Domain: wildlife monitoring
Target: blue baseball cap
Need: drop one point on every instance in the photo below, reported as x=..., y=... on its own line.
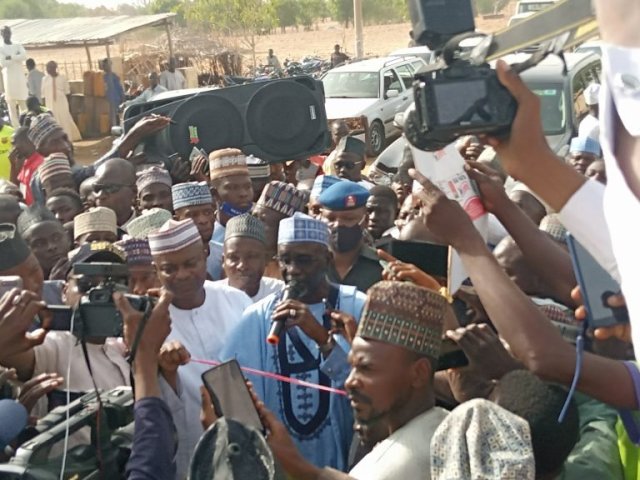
x=13, y=419
x=344, y=195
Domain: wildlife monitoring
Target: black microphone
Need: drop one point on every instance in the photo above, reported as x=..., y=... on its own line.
x=293, y=290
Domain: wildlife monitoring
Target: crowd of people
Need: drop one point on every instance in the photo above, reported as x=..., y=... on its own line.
x=355, y=387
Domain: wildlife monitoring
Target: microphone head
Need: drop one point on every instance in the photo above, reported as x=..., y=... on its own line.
x=13, y=419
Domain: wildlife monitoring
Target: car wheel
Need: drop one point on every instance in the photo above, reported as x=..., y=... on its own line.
x=376, y=138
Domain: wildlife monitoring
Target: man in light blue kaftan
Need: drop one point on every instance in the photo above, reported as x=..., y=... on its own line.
x=320, y=422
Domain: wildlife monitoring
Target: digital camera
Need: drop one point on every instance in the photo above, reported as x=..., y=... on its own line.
x=96, y=314
x=461, y=99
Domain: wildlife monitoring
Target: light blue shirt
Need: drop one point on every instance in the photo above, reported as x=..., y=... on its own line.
x=320, y=423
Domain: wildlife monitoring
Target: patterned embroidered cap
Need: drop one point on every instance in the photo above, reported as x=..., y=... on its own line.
x=247, y=226
x=33, y=215
x=282, y=197
x=258, y=168
x=301, y=228
x=480, y=439
x=344, y=195
x=13, y=249
x=149, y=221
x=174, y=235
x=136, y=250
x=406, y=315
x=227, y=162
x=585, y=145
x=191, y=193
x=54, y=164
x=552, y=225
x=41, y=128
x=152, y=175
x=321, y=183
x=98, y=219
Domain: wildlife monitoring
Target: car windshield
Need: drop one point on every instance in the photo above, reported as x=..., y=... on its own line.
x=351, y=85
x=553, y=107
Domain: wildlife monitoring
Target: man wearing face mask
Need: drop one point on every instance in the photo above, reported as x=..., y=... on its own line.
x=343, y=208
x=320, y=423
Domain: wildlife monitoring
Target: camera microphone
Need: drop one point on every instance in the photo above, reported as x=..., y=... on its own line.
x=292, y=291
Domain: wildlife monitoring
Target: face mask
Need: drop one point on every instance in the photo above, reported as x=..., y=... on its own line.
x=231, y=211
x=345, y=239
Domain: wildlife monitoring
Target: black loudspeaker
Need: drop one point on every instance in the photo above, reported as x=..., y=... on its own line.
x=275, y=120
x=436, y=21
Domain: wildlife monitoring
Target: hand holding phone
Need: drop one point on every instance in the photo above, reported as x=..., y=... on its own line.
x=598, y=289
x=230, y=395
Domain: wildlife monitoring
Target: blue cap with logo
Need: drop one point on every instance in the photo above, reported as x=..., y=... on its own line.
x=344, y=195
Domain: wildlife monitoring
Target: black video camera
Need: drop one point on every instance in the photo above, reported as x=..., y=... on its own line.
x=96, y=314
x=110, y=421
x=453, y=97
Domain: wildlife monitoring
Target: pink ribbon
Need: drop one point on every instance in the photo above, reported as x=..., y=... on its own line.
x=275, y=376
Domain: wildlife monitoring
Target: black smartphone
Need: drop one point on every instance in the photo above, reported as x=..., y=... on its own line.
x=596, y=286
x=451, y=356
x=59, y=317
x=230, y=394
x=428, y=257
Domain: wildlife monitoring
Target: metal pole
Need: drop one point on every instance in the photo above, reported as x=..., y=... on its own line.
x=166, y=26
x=357, y=22
x=86, y=46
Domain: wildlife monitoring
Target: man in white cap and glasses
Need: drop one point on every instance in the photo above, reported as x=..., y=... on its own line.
x=589, y=126
x=202, y=314
x=320, y=423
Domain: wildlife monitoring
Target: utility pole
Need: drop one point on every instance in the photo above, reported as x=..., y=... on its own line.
x=357, y=22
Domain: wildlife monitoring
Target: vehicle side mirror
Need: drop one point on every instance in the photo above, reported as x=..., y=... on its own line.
x=116, y=131
x=392, y=93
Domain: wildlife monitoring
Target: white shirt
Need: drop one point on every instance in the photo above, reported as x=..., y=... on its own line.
x=172, y=80
x=589, y=127
x=405, y=454
x=15, y=83
x=621, y=92
x=267, y=287
x=202, y=331
x=108, y=363
x=583, y=216
x=146, y=95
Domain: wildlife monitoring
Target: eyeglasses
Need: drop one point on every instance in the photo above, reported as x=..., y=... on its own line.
x=299, y=260
x=346, y=164
x=108, y=187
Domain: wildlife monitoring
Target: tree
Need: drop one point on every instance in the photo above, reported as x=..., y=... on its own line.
x=312, y=10
x=342, y=11
x=247, y=18
x=286, y=13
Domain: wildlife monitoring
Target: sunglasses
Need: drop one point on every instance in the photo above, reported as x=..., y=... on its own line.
x=108, y=187
x=347, y=165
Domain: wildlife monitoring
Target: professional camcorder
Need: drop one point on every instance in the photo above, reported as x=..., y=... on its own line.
x=95, y=314
x=109, y=416
x=453, y=97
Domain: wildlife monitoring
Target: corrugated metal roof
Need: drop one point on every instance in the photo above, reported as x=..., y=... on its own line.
x=48, y=32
